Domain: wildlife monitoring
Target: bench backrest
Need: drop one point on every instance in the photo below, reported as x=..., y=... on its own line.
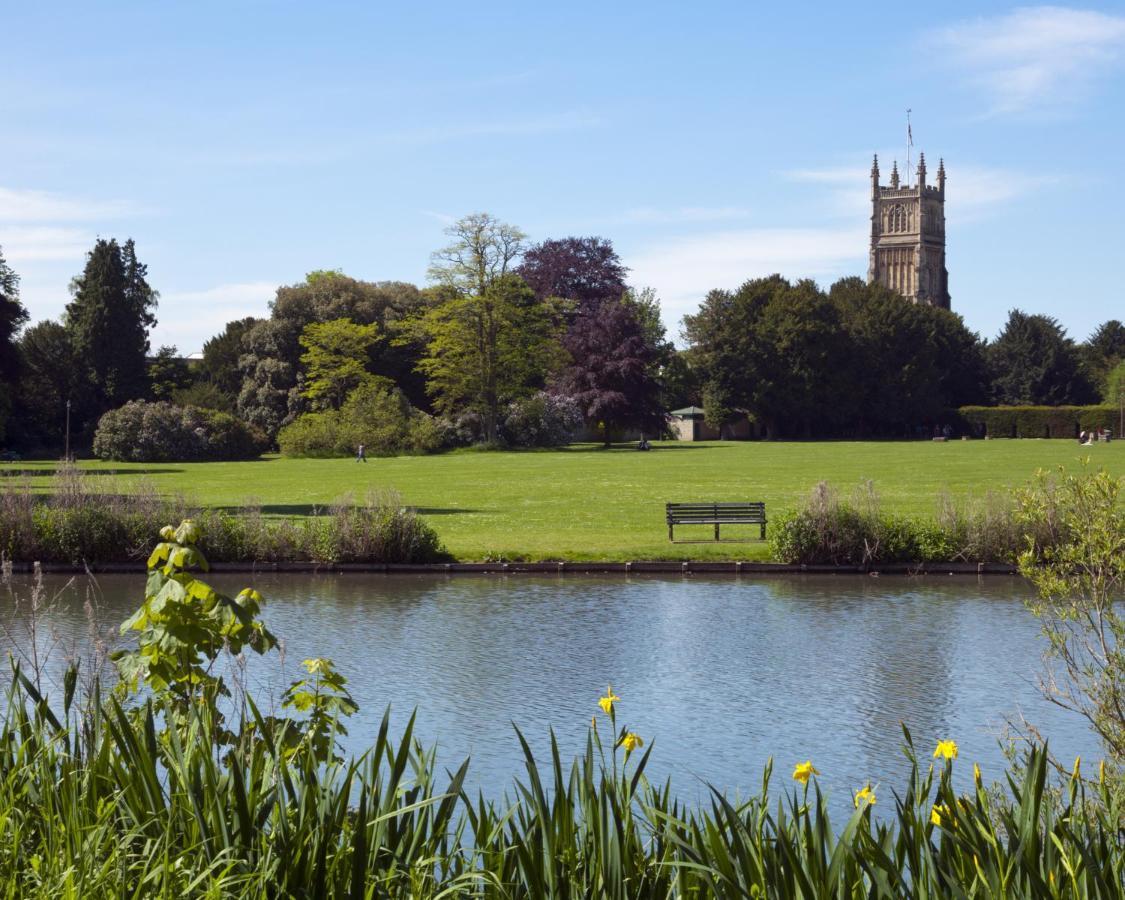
x=687, y=512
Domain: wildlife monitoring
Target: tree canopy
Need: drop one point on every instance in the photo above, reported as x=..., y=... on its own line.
x=483, y=250
x=1033, y=362
x=336, y=359
x=109, y=319
x=483, y=351
x=611, y=374
x=585, y=270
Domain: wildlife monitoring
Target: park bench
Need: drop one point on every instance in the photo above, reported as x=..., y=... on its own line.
x=715, y=514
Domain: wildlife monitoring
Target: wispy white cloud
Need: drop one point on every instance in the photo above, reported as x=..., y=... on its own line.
x=444, y=218
x=18, y=205
x=188, y=318
x=38, y=243
x=328, y=151
x=683, y=270
x=647, y=215
x=1038, y=58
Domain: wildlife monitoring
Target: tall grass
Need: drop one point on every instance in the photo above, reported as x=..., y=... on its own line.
x=80, y=523
x=856, y=531
x=99, y=801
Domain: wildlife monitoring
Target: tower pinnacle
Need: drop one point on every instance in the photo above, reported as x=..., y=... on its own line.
x=908, y=235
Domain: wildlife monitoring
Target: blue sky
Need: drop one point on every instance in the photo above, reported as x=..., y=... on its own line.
x=244, y=144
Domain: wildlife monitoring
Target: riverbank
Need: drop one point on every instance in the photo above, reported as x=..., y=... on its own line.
x=585, y=504
x=638, y=567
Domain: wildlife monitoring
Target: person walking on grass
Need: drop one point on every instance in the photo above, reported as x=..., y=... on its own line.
x=360, y=455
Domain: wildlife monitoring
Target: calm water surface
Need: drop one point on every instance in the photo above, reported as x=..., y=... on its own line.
x=719, y=674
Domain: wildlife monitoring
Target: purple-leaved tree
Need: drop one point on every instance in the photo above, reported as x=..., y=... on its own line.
x=585, y=270
x=611, y=376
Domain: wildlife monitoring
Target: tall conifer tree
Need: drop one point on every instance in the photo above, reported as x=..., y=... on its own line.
x=109, y=319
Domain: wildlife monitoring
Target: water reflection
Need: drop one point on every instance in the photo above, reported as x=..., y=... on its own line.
x=720, y=673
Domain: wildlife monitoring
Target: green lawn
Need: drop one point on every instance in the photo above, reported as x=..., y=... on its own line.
x=587, y=503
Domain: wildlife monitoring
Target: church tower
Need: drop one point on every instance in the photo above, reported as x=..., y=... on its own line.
x=908, y=236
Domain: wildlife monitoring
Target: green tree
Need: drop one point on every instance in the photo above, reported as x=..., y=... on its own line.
x=775, y=352
x=168, y=373
x=483, y=250
x=337, y=354
x=51, y=375
x=1076, y=560
x=1114, y=389
x=1104, y=349
x=1033, y=362
x=221, y=355
x=109, y=319
x=12, y=318
x=911, y=361
x=485, y=351
x=270, y=364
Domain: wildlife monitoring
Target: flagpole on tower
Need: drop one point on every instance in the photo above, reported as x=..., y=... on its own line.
x=909, y=146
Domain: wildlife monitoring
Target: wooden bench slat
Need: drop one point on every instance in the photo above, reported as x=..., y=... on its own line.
x=716, y=513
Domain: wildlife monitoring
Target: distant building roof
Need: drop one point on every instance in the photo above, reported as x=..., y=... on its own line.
x=688, y=411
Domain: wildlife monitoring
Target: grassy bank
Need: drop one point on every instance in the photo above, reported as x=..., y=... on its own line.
x=586, y=503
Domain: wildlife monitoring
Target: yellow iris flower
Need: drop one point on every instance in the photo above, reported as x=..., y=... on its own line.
x=941, y=816
x=803, y=771
x=606, y=702
x=976, y=774
x=865, y=796
x=1077, y=773
x=631, y=742
x=946, y=750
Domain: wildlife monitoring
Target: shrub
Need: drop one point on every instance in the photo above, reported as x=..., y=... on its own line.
x=141, y=431
x=831, y=531
x=81, y=525
x=1035, y=421
x=542, y=420
x=374, y=415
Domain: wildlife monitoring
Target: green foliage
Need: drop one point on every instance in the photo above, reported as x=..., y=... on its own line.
x=1104, y=350
x=53, y=373
x=375, y=415
x=335, y=360
x=85, y=525
x=858, y=360
x=1114, y=390
x=485, y=350
x=109, y=319
x=13, y=316
x=203, y=395
x=1076, y=560
x=270, y=392
x=1035, y=421
x=1033, y=362
x=168, y=373
x=221, y=355
x=184, y=624
x=828, y=530
x=96, y=806
x=324, y=699
x=483, y=251
x=161, y=432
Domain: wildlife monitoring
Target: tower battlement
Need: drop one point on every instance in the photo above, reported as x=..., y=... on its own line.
x=908, y=236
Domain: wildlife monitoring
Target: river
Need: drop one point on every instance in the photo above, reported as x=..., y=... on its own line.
x=718, y=673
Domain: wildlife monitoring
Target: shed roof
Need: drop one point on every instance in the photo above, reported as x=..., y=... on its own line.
x=688, y=411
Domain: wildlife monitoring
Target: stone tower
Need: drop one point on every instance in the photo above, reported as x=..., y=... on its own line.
x=908, y=236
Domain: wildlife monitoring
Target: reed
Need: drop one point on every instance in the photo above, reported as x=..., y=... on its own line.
x=82, y=524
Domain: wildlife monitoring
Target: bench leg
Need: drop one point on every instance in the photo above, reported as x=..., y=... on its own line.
x=716, y=531
x=763, y=531
x=670, y=538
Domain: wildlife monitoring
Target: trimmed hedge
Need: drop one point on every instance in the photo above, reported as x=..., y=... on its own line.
x=1036, y=421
